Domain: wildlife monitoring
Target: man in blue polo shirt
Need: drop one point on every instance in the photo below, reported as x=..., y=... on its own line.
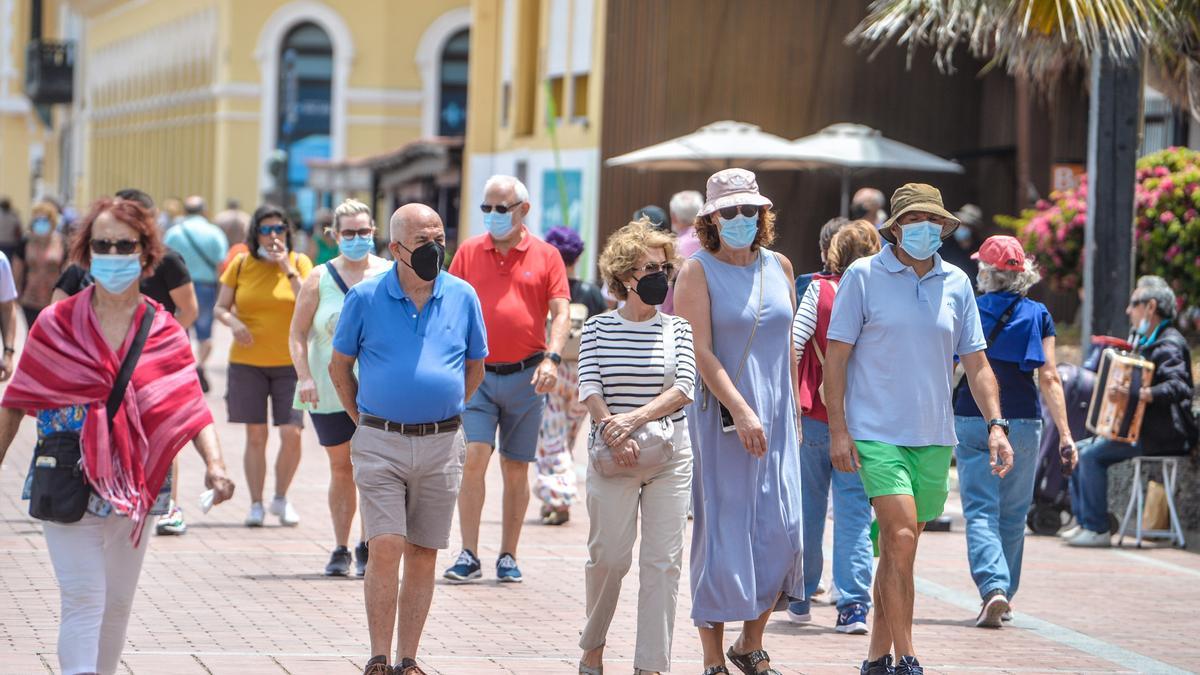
x=419, y=339
x=900, y=318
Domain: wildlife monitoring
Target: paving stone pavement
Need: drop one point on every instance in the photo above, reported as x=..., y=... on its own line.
x=228, y=600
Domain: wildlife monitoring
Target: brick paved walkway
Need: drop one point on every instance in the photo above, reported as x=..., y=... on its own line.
x=224, y=599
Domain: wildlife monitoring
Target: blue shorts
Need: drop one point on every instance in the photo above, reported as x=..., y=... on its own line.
x=507, y=402
x=333, y=429
x=206, y=298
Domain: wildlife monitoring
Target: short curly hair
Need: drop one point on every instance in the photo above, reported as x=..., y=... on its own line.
x=625, y=247
x=568, y=243
x=127, y=212
x=710, y=236
x=856, y=239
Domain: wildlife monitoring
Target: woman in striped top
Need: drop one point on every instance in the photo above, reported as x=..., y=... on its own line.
x=851, y=509
x=625, y=384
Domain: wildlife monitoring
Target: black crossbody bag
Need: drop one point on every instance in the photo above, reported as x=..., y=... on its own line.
x=60, y=491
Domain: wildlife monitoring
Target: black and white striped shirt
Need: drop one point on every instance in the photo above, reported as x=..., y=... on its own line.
x=622, y=361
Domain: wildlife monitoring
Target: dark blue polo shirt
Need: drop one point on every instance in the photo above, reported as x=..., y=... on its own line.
x=411, y=365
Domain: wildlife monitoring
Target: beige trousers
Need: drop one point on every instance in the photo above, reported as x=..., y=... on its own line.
x=662, y=495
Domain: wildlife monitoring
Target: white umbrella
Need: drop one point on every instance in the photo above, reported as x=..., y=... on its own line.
x=852, y=147
x=714, y=147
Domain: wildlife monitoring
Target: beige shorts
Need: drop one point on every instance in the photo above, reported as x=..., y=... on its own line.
x=408, y=485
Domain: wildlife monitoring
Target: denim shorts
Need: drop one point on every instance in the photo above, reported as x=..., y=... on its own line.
x=206, y=299
x=510, y=404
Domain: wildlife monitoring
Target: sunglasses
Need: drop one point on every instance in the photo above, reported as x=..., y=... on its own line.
x=272, y=229
x=365, y=233
x=655, y=268
x=119, y=246
x=731, y=212
x=501, y=209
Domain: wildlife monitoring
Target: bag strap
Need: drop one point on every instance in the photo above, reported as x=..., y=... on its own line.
x=668, y=333
x=1003, y=320
x=195, y=247
x=337, y=278
x=131, y=358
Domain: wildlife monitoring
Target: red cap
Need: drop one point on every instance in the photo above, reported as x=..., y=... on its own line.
x=1003, y=252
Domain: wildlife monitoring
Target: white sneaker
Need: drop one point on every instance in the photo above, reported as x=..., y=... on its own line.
x=991, y=614
x=281, y=507
x=255, y=519
x=1089, y=539
x=1071, y=532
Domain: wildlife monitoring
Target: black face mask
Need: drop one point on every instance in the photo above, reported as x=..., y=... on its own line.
x=427, y=259
x=652, y=288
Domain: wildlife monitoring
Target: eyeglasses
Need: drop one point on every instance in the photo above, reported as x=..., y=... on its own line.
x=655, y=268
x=365, y=233
x=272, y=229
x=1136, y=303
x=730, y=212
x=501, y=209
x=120, y=246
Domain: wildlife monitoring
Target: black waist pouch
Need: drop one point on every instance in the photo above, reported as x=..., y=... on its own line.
x=59, y=492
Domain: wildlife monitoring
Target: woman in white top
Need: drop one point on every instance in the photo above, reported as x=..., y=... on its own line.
x=637, y=371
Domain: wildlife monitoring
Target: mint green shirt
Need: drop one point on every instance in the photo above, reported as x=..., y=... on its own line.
x=320, y=344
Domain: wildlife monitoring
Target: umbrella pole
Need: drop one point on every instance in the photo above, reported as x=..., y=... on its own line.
x=845, y=193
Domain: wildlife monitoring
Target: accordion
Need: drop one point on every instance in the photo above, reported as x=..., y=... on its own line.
x=1119, y=418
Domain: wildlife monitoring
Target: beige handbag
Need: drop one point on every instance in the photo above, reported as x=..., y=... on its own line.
x=655, y=439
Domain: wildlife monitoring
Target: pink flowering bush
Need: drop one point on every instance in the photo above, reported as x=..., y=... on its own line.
x=1166, y=226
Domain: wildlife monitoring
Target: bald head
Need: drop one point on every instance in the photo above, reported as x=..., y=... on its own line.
x=194, y=205
x=411, y=220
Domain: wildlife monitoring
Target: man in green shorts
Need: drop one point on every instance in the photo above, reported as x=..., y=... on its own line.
x=899, y=320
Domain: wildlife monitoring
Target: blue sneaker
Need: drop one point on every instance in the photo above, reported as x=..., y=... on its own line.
x=799, y=611
x=908, y=665
x=880, y=666
x=466, y=568
x=853, y=619
x=507, y=570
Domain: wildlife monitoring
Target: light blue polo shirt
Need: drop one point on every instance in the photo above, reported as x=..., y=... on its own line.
x=411, y=365
x=202, y=245
x=906, y=332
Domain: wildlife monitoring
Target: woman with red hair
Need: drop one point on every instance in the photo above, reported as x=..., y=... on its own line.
x=110, y=378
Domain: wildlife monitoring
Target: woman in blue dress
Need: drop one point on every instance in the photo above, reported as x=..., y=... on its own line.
x=746, y=542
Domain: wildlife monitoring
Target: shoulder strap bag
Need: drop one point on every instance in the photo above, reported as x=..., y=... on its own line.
x=1001, y=322
x=655, y=439
x=60, y=491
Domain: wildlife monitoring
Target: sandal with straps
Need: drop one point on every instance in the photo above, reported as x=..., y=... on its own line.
x=715, y=670
x=409, y=667
x=748, y=663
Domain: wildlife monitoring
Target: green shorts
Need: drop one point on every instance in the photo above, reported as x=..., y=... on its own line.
x=920, y=471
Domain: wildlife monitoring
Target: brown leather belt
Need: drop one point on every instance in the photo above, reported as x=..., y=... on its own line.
x=510, y=368
x=423, y=429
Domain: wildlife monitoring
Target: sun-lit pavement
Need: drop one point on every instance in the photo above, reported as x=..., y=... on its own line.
x=225, y=599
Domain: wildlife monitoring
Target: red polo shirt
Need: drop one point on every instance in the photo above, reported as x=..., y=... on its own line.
x=515, y=291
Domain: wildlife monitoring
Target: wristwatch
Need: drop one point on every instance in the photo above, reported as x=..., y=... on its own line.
x=555, y=357
x=998, y=422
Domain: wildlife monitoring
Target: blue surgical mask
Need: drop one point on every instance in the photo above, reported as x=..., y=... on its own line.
x=962, y=235
x=41, y=226
x=921, y=240
x=739, y=231
x=116, y=272
x=1143, y=327
x=500, y=225
x=356, y=248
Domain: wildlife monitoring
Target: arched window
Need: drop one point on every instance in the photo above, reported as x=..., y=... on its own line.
x=452, y=105
x=305, y=94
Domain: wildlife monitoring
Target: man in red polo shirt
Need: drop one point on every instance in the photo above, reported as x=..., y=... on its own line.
x=519, y=278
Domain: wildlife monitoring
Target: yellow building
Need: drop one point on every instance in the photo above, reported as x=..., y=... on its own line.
x=530, y=57
x=181, y=97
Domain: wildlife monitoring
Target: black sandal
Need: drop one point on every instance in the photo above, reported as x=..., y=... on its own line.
x=715, y=670
x=748, y=663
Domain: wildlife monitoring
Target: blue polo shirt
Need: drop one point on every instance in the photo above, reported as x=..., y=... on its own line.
x=906, y=332
x=411, y=365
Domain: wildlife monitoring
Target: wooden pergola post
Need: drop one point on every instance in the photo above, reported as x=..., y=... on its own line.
x=1114, y=139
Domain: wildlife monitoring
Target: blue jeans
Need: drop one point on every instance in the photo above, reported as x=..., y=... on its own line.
x=995, y=508
x=851, y=519
x=1089, y=483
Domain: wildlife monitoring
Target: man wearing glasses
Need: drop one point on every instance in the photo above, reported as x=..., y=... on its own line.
x=519, y=279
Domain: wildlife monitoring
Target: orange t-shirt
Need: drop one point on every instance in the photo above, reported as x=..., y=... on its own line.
x=515, y=291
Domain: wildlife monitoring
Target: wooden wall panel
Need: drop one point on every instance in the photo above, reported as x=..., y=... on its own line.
x=672, y=66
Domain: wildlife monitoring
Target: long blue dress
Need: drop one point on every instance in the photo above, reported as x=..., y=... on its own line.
x=747, y=550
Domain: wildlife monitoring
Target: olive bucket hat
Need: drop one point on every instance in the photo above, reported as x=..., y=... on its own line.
x=917, y=197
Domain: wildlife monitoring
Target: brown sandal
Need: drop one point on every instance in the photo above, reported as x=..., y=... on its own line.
x=378, y=665
x=408, y=667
